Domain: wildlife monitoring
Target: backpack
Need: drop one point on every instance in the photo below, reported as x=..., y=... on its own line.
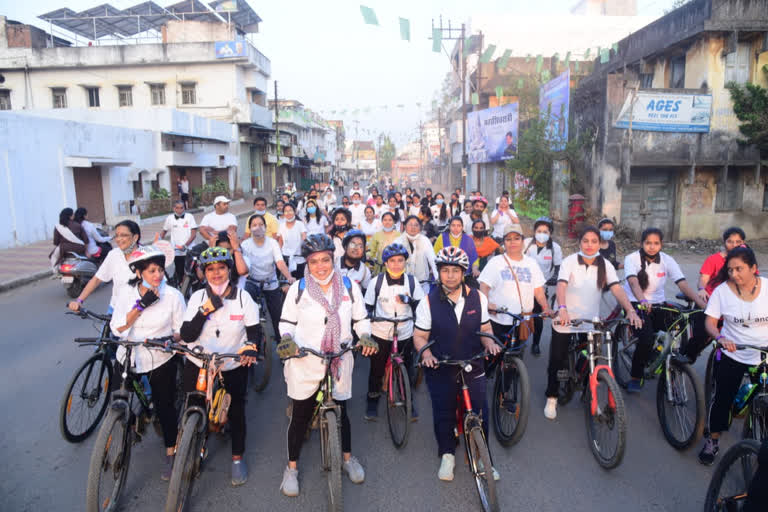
x=380, y=281
x=344, y=279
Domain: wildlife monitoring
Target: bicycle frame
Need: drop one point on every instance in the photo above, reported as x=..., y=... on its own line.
x=395, y=356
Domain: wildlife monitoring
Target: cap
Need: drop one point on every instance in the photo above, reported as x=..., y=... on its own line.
x=513, y=228
x=220, y=199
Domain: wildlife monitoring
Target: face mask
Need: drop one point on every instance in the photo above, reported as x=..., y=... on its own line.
x=291, y=218
x=259, y=231
x=325, y=281
x=439, y=201
x=394, y=275
x=479, y=234
x=412, y=238
x=587, y=256
x=219, y=289
x=146, y=285
x=542, y=238
x=129, y=249
x=260, y=212
x=356, y=201
x=606, y=235
x=311, y=210
x=388, y=229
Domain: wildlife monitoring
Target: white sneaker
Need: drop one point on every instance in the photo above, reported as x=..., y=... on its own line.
x=550, y=410
x=354, y=470
x=448, y=462
x=290, y=485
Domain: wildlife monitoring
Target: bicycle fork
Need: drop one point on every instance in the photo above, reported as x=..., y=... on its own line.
x=595, y=369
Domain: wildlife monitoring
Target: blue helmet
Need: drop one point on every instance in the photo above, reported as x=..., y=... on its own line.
x=353, y=233
x=393, y=250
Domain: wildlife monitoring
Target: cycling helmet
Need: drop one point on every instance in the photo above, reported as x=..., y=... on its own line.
x=146, y=253
x=353, y=233
x=452, y=256
x=317, y=242
x=393, y=250
x=216, y=255
x=546, y=221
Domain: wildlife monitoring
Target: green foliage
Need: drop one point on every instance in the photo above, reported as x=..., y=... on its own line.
x=206, y=193
x=532, y=208
x=159, y=194
x=750, y=104
x=386, y=153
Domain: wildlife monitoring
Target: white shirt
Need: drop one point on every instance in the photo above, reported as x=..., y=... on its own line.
x=582, y=296
x=743, y=322
x=115, y=268
x=503, y=288
x=180, y=230
x=468, y=220
x=262, y=261
x=229, y=320
x=414, y=210
x=94, y=237
x=161, y=319
x=358, y=213
x=387, y=306
x=313, y=226
x=378, y=210
x=219, y=222
x=292, y=238
x=435, y=209
x=370, y=228
x=421, y=259
x=329, y=202
x=424, y=314
x=657, y=276
x=502, y=222
x=305, y=322
x=361, y=275
x=184, y=186
x=547, y=258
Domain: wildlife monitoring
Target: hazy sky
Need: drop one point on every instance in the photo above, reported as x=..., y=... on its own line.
x=325, y=56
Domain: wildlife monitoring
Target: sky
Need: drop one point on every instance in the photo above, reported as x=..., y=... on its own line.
x=324, y=56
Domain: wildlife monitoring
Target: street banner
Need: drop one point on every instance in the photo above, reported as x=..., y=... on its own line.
x=228, y=49
x=554, y=97
x=493, y=134
x=653, y=111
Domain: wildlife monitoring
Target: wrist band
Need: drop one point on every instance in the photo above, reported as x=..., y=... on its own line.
x=562, y=306
x=719, y=337
x=79, y=300
x=138, y=306
x=644, y=301
x=700, y=288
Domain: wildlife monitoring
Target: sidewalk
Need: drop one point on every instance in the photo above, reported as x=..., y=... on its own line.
x=28, y=263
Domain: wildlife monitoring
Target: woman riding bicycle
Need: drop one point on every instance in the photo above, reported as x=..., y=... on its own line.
x=742, y=302
x=222, y=318
x=549, y=256
x=352, y=264
x=148, y=308
x=607, y=245
x=456, y=237
x=320, y=312
x=381, y=239
x=646, y=272
x=420, y=262
x=451, y=315
x=290, y=234
x=580, y=283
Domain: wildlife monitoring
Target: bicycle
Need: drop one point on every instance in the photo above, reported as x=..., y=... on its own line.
x=261, y=372
x=728, y=489
x=398, y=384
x=204, y=411
x=752, y=405
x=88, y=391
x=471, y=426
x=592, y=374
x=328, y=414
x=123, y=427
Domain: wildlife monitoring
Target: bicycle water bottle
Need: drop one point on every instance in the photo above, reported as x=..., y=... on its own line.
x=742, y=396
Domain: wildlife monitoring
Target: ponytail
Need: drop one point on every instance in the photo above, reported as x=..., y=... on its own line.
x=602, y=280
x=642, y=276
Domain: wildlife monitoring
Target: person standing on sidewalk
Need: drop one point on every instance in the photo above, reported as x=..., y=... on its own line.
x=184, y=190
x=183, y=230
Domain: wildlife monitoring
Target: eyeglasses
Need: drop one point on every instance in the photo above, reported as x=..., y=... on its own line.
x=355, y=245
x=129, y=235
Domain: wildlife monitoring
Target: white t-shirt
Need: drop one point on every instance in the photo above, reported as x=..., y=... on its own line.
x=358, y=213
x=180, y=230
x=361, y=275
x=370, y=228
x=292, y=238
x=94, y=237
x=219, y=222
x=582, y=296
x=262, y=261
x=378, y=210
x=657, y=276
x=743, y=322
x=436, y=209
x=424, y=314
x=314, y=227
x=414, y=210
x=161, y=319
x=501, y=222
x=184, y=186
x=387, y=306
x=305, y=322
x=229, y=321
x=115, y=268
x=547, y=258
x=503, y=288
x=421, y=259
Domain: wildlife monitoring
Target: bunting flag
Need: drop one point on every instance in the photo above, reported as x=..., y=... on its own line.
x=520, y=83
x=605, y=56
x=502, y=62
x=545, y=76
x=475, y=98
x=405, y=29
x=437, y=40
x=499, y=92
x=568, y=59
x=539, y=63
x=586, y=55
x=485, y=58
x=369, y=17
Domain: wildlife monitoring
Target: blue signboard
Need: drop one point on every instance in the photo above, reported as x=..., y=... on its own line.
x=657, y=111
x=229, y=49
x=554, y=98
x=492, y=134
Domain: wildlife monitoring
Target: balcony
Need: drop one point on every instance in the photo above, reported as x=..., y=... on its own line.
x=188, y=159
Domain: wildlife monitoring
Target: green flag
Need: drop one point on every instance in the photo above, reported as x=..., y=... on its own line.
x=405, y=29
x=485, y=58
x=605, y=56
x=437, y=40
x=545, y=76
x=369, y=17
x=586, y=55
x=568, y=59
x=475, y=98
x=502, y=62
x=539, y=63
x=499, y=92
x=520, y=83
x=576, y=66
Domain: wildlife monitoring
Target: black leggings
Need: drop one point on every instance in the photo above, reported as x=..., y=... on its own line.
x=379, y=362
x=236, y=384
x=274, y=300
x=300, y=418
x=178, y=263
x=728, y=374
x=558, y=360
x=538, y=324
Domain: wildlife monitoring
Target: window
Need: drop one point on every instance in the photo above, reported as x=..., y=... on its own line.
x=125, y=95
x=646, y=80
x=677, y=75
x=256, y=97
x=737, y=65
x=59, y=97
x=93, y=96
x=158, y=94
x=729, y=192
x=188, y=94
x=5, y=99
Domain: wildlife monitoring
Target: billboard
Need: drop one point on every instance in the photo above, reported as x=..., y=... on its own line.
x=492, y=134
x=227, y=49
x=554, y=98
x=654, y=111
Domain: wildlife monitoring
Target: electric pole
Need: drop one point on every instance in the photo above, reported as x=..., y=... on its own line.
x=277, y=134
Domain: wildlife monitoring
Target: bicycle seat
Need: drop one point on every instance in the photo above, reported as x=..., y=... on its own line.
x=682, y=296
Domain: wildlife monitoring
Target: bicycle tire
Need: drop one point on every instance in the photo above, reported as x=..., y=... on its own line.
x=617, y=420
x=333, y=451
x=688, y=433
x=101, y=463
x=92, y=398
x=262, y=371
x=477, y=452
x=185, y=465
x=739, y=454
x=520, y=390
x=399, y=405
x=623, y=350
x=755, y=425
x=418, y=377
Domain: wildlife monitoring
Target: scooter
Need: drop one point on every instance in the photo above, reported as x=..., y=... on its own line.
x=75, y=271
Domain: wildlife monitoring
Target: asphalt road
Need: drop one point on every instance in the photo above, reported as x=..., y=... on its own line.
x=551, y=469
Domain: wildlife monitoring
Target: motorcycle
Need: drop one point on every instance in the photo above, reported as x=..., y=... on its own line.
x=76, y=269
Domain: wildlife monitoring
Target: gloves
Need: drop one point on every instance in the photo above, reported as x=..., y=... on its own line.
x=148, y=299
x=367, y=342
x=249, y=350
x=287, y=347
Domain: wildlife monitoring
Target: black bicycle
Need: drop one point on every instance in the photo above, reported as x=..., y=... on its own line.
x=731, y=483
x=261, y=372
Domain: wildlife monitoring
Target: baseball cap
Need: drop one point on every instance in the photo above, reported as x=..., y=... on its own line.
x=220, y=199
x=513, y=228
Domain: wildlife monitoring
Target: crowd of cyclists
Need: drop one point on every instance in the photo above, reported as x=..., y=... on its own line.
x=449, y=265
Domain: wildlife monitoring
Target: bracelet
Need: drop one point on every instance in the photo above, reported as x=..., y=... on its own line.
x=644, y=301
x=700, y=288
x=562, y=306
x=137, y=306
x=719, y=337
x=79, y=300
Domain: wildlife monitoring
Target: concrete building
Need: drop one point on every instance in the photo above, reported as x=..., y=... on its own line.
x=359, y=162
x=689, y=184
x=605, y=8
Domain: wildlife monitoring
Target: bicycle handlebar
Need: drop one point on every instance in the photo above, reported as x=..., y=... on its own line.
x=519, y=318
x=304, y=351
x=746, y=346
x=397, y=320
x=85, y=313
x=456, y=361
x=198, y=352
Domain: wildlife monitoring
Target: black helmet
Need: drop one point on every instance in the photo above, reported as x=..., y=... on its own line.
x=317, y=242
x=352, y=233
x=546, y=221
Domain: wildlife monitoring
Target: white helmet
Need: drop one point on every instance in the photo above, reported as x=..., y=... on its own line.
x=144, y=253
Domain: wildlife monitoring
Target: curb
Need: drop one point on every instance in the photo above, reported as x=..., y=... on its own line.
x=21, y=281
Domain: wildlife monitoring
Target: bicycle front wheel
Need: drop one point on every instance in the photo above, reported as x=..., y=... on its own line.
x=262, y=371
x=756, y=424
x=728, y=489
x=86, y=399
x=607, y=426
x=480, y=463
x=185, y=465
x=110, y=459
x=399, y=405
x=511, y=401
x=331, y=437
x=680, y=405
x=624, y=343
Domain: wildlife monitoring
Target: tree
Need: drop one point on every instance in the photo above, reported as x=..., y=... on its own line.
x=386, y=153
x=750, y=104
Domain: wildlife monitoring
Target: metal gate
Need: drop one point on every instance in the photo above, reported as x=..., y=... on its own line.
x=648, y=200
x=89, y=193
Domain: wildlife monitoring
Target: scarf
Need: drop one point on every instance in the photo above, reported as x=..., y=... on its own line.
x=331, y=341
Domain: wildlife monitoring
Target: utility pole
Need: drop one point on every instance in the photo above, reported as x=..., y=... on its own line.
x=277, y=134
x=439, y=142
x=476, y=107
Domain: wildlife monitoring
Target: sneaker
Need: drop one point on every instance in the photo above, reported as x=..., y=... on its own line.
x=447, y=463
x=709, y=451
x=167, y=468
x=290, y=484
x=635, y=385
x=239, y=472
x=550, y=410
x=372, y=409
x=354, y=470
x=535, y=350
